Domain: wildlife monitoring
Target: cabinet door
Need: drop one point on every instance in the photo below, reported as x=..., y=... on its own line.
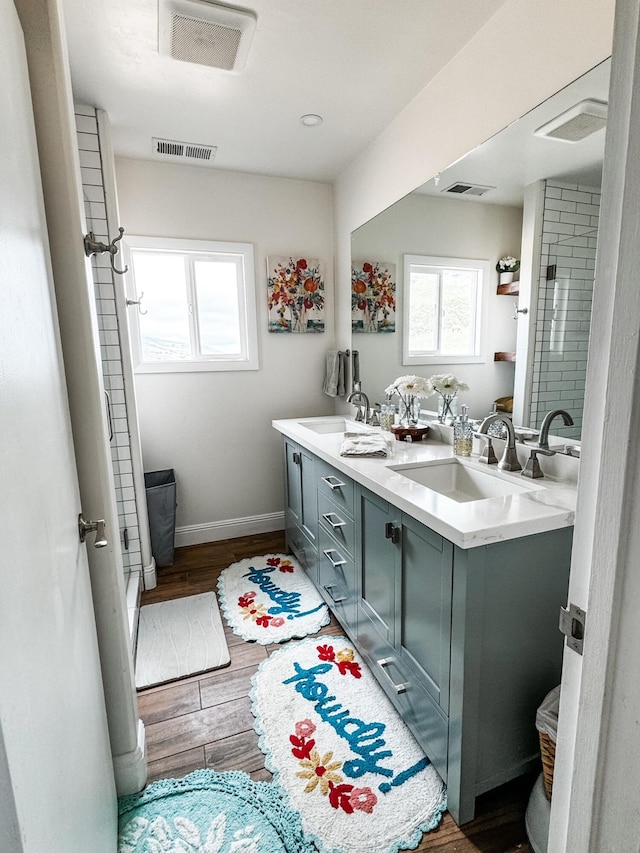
x=424, y=597
x=293, y=481
x=301, y=495
x=375, y=558
x=308, y=494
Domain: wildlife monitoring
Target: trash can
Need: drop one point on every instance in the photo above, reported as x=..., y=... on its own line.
x=547, y=726
x=160, y=487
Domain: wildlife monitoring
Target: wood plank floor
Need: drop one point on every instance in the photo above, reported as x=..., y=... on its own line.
x=206, y=720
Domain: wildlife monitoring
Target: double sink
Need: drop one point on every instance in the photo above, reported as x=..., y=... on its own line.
x=457, y=479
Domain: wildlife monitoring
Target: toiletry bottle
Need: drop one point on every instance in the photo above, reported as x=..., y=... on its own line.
x=387, y=414
x=462, y=434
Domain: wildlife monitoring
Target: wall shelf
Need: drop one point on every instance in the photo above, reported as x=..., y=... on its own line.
x=504, y=356
x=511, y=289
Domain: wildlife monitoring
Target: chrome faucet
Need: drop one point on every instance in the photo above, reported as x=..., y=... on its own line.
x=509, y=460
x=362, y=401
x=543, y=441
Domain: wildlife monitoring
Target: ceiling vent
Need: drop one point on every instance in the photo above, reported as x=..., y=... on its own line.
x=576, y=124
x=187, y=152
x=460, y=188
x=205, y=33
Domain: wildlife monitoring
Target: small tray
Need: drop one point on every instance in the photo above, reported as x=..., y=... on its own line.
x=409, y=433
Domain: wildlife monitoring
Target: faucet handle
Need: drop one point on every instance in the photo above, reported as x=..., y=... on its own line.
x=532, y=468
x=487, y=454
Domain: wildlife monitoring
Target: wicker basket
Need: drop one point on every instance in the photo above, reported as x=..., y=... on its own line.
x=548, y=754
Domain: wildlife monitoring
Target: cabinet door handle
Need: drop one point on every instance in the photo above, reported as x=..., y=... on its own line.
x=296, y=458
x=335, y=600
x=334, y=563
x=392, y=532
x=334, y=524
x=336, y=484
x=399, y=688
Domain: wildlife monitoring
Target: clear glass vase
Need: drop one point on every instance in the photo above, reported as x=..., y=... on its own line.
x=409, y=411
x=447, y=408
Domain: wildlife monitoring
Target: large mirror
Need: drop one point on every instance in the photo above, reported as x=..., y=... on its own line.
x=531, y=192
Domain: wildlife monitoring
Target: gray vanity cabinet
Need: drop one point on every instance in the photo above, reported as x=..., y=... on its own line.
x=464, y=642
x=301, y=506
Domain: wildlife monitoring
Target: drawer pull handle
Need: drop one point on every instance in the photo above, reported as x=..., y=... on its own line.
x=334, y=524
x=297, y=458
x=335, y=600
x=336, y=484
x=334, y=563
x=399, y=688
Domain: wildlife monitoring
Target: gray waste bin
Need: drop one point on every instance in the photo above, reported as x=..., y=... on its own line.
x=160, y=487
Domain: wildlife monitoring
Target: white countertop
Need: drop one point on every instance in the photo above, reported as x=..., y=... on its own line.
x=548, y=506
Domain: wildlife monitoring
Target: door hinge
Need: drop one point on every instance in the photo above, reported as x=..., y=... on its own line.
x=572, y=625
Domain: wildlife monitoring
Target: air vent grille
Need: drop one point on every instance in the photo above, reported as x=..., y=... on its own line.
x=204, y=43
x=205, y=33
x=170, y=149
x=460, y=188
x=576, y=124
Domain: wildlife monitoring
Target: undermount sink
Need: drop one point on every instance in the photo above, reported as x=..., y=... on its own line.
x=330, y=425
x=454, y=480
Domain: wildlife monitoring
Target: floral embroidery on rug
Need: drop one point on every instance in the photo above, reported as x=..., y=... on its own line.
x=346, y=759
x=270, y=599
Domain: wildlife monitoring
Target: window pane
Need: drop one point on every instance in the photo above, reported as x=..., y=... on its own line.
x=218, y=308
x=458, y=311
x=423, y=318
x=164, y=328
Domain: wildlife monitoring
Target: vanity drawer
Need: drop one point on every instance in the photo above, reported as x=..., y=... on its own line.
x=335, y=485
x=427, y=723
x=305, y=551
x=337, y=575
x=337, y=522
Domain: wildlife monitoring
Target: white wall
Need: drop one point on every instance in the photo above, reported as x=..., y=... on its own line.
x=214, y=428
x=524, y=53
x=423, y=225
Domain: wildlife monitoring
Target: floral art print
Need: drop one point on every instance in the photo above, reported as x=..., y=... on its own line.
x=295, y=291
x=373, y=296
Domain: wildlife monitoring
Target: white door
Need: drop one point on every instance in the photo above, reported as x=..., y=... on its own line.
x=56, y=776
x=597, y=772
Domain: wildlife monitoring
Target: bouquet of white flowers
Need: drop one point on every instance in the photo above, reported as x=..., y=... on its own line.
x=446, y=385
x=508, y=264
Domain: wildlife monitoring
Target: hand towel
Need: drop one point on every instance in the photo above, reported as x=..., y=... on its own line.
x=334, y=374
x=363, y=444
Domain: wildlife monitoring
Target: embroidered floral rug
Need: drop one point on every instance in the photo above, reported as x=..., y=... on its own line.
x=336, y=745
x=269, y=599
x=208, y=812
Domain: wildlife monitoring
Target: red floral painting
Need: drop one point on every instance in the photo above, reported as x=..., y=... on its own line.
x=373, y=296
x=295, y=295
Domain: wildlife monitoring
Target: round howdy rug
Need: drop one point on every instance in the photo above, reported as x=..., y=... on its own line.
x=341, y=752
x=269, y=599
x=208, y=812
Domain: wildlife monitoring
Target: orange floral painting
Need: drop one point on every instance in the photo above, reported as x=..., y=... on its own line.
x=373, y=296
x=295, y=290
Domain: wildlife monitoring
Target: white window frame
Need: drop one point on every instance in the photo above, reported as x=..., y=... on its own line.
x=249, y=357
x=478, y=356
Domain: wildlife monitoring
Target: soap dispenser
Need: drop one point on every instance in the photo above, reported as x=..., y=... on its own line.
x=462, y=433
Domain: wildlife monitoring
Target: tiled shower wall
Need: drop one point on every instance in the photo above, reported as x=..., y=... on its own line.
x=569, y=241
x=104, y=283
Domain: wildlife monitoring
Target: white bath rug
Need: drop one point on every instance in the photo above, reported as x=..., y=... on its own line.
x=346, y=759
x=270, y=599
x=178, y=638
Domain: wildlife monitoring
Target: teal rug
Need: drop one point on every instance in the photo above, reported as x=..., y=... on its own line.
x=208, y=812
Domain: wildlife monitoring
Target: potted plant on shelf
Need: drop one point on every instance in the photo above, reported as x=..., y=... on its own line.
x=506, y=268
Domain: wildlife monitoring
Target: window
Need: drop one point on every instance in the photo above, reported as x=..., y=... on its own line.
x=197, y=308
x=442, y=310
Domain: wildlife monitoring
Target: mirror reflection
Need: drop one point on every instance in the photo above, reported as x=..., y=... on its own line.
x=531, y=192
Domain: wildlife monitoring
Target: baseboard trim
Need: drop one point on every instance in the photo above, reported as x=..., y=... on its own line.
x=197, y=534
x=130, y=769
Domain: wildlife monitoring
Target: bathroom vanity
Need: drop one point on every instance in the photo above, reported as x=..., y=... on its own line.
x=453, y=603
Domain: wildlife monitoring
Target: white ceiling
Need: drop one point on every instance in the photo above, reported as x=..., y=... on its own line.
x=355, y=62
x=515, y=157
